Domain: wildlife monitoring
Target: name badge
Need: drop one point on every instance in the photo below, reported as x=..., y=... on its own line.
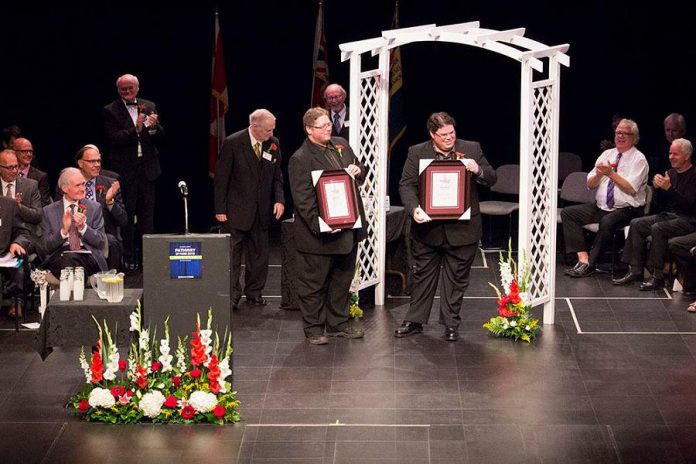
x=267, y=156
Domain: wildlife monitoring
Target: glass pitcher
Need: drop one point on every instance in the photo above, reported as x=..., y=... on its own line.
x=113, y=285
x=97, y=282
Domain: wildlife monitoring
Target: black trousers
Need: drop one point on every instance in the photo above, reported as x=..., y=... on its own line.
x=456, y=263
x=60, y=259
x=576, y=216
x=139, y=200
x=660, y=227
x=323, y=290
x=254, y=244
x=15, y=281
x=680, y=250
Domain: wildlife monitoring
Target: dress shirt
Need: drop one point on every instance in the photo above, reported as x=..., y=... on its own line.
x=133, y=111
x=633, y=167
x=4, y=187
x=254, y=141
x=341, y=117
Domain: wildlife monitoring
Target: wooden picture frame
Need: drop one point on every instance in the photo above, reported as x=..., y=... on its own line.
x=337, y=199
x=444, y=189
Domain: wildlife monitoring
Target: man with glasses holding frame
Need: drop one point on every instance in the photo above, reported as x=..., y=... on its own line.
x=451, y=243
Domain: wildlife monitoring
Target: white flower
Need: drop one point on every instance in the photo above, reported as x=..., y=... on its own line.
x=513, y=324
x=112, y=365
x=134, y=322
x=206, y=340
x=165, y=358
x=527, y=328
x=181, y=358
x=101, y=397
x=225, y=372
x=144, y=340
x=203, y=401
x=151, y=403
x=506, y=324
x=85, y=367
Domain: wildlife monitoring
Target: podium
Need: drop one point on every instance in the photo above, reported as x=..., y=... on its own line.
x=184, y=275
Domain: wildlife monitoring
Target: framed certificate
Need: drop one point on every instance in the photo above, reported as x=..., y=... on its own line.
x=337, y=199
x=444, y=189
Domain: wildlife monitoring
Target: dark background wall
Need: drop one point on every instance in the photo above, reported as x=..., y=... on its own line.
x=59, y=66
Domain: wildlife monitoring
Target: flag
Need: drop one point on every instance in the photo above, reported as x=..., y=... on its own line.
x=218, y=101
x=397, y=110
x=320, y=77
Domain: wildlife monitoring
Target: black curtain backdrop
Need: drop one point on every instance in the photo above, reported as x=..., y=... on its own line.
x=60, y=63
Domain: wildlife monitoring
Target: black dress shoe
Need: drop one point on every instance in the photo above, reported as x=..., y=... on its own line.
x=628, y=279
x=583, y=270
x=451, y=334
x=256, y=301
x=573, y=269
x=408, y=328
x=652, y=284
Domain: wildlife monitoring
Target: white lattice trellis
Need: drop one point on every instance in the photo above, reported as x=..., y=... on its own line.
x=539, y=103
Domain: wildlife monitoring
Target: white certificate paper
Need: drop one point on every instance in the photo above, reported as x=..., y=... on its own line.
x=445, y=190
x=336, y=199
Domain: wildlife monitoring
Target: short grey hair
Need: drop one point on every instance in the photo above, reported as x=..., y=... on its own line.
x=66, y=174
x=260, y=115
x=684, y=145
x=129, y=77
x=634, y=128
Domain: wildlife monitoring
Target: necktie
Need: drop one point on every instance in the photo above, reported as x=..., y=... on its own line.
x=73, y=234
x=9, y=193
x=89, y=189
x=443, y=156
x=610, y=185
x=257, y=149
x=337, y=123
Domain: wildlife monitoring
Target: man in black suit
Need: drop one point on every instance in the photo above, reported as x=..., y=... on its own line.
x=133, y=132
x=73, y=228
x=325, y=260
x=26, y=192
x=335, y=98
x=450, y=243
x=248, y=193
x=13, y=242
x=25, y=154
x=107, y=192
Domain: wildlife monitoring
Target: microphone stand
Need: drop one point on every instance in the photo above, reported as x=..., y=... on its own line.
x=186, y=227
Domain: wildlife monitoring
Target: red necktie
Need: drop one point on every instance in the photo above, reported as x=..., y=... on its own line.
x=73, y=234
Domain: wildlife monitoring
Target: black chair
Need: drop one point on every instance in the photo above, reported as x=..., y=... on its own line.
x=568, y=163
x=508, y=184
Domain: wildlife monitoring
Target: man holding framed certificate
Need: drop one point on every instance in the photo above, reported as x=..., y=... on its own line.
x=329, y=223
x=450, y=242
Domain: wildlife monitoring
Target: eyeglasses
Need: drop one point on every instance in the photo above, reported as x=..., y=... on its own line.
x=14, y=167
x=324, y=126
x=94, y=161
x=446, y=136
x=625, y=134
x=24, y=151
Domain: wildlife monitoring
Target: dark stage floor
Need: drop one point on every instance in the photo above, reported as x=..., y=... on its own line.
x=621, y=391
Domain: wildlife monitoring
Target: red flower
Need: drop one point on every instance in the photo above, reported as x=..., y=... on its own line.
x=274, y=147
x=198, y=355
x=339, y=149
x=219, y=411
x=122, y=364
x=100, y=190
x=459, y=155
x=118, y=390
x=97, y=365
x=214, y=375
x=83, y=406
x=141, y=108
x=141, y=377
x=195, y=373
x=156, y=366
x=176, y=381
x=171, y=402
x=188, y=412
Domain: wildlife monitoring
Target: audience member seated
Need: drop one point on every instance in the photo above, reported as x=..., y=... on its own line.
x=619, y=177
x=25, y=153
x=73, y=228
x=682, y=250
x=675, y=192
x=675, y=128
x=26, y=193
x=13, y=243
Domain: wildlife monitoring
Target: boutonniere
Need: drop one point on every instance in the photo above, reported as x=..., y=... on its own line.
x=273, y=147
x=100, y=190
x=459, y=155
x=339, y=149
x=141, y=108
x=613, y=166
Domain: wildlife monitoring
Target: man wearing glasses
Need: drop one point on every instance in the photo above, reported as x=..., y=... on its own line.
x=248, y=194
x=451, y=244
x=325, y=260
x=25, y=154
x=619, y=178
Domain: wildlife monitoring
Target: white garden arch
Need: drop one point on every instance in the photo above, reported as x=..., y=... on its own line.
x=539, y=108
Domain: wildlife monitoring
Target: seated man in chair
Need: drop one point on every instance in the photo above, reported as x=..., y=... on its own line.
x=73, y=228
x=13, y=242
x=619, y=177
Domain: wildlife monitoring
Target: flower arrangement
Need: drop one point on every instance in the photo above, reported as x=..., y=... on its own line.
x=354, y=309
x=152, y=387
x=514, y=311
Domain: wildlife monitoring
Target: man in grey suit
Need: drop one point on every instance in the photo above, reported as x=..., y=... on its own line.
x=62, y=217
x=26, y=193
x=25, y=154
x=325, y=260
x=248, y=193
x=450, y=243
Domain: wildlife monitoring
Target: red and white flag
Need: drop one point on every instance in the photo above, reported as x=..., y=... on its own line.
x=320, y=77
x=218, y=102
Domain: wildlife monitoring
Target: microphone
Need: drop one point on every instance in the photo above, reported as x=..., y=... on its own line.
x=183, y=188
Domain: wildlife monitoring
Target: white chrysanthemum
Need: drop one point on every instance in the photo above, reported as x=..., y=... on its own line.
x=112, y=365
x=506, y=324
x=225, y=372
x=151, y=403
x=101, y=398
x=134, y=322
x=144, y=339
x=165, y=358
x=527, y=328
x=85, y=367
x=203, y=401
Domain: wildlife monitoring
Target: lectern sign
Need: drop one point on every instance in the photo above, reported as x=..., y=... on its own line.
x=185, y=260
x=444, y=189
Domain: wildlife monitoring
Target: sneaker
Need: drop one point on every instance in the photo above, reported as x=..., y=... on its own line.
x=317, y=339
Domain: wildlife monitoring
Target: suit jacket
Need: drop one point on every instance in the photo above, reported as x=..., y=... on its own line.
x=93, y=239
x=434, y=232
x=123, y=140
x=12, y=229
x=245, y=184
x=344, y=132
x=42, y=179
x=311, y=157
x=31, y=207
